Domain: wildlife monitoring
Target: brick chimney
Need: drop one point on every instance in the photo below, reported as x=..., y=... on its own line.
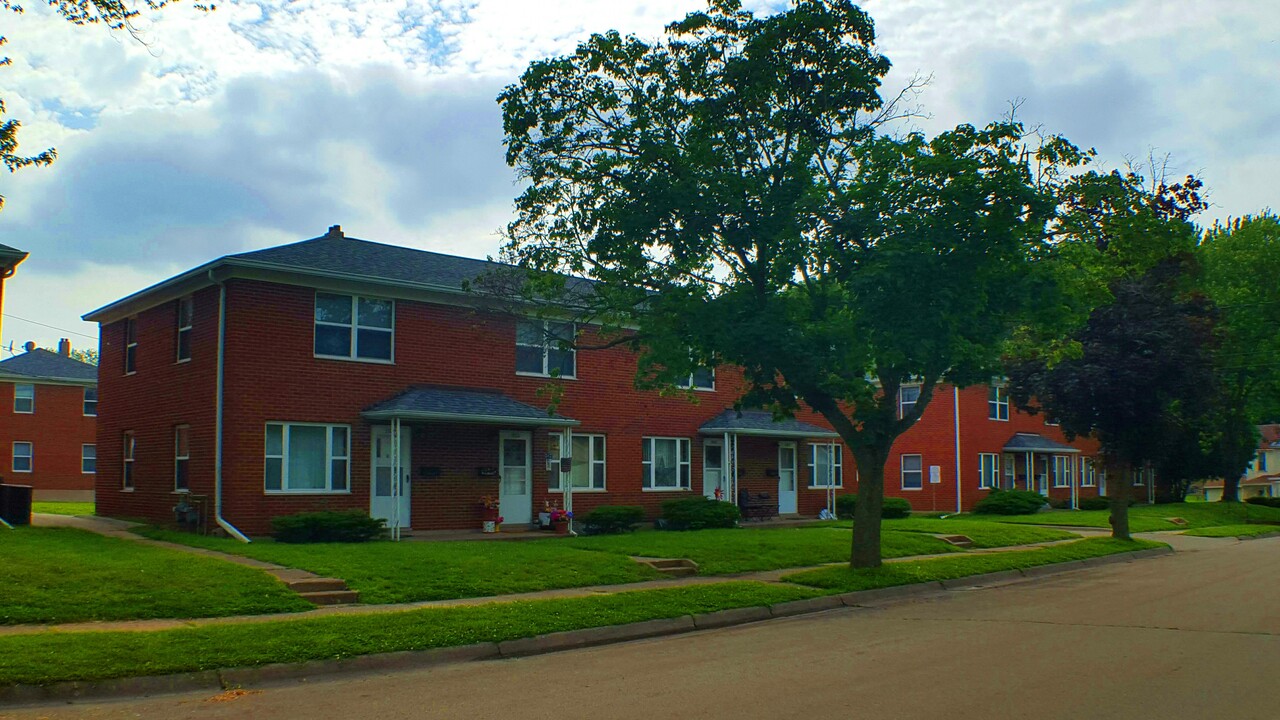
x=64, y=347
x=335, y=231
x=29, y=346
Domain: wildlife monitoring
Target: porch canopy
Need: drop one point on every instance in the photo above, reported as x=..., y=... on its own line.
x=761, y=423
x=1034, y=443
x=436, y=404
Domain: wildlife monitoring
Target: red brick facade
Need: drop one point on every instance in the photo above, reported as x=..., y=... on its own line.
x=57, y=431
x=272, y=375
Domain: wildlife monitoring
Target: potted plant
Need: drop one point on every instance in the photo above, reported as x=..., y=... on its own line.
x=490, y=519
x=560, y=520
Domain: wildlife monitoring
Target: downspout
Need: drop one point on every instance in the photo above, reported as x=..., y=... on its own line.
x=217, y=423
x=955, y=406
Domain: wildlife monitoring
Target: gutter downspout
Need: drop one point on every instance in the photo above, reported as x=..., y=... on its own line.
x=955, y=406
x=217, y=453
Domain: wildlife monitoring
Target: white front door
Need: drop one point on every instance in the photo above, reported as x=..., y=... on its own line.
x=515, y=489
x=712, y=467
x=786, y=478
x=384, y=496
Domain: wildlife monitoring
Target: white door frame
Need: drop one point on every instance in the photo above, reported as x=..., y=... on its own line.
x=406, y=454
x=504, y=504
x=794, y=492
x=709, y=491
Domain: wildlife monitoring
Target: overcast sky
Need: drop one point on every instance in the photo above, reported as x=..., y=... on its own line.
x=265, y=122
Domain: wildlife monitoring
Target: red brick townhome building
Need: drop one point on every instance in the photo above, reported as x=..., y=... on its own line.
x=282, y=380
x=48, y=413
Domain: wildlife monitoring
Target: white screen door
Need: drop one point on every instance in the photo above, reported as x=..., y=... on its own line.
x=515, y=490
x=382, y=504
x=786, y=478
x=712, y=467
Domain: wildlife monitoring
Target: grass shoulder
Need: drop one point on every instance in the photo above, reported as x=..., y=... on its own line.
x=1238, y=531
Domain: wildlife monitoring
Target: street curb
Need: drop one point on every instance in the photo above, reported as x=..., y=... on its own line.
x=219, y=680
x=1263, y=536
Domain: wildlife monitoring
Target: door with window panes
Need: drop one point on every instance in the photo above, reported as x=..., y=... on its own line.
x=786, y=478
x=515, y=486
x=384, y=500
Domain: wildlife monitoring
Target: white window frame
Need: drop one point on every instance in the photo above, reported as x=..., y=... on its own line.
x=989, y=471
x=903, y=404
x=328, y=489
x=85, y=449
x=684, y=464
x=188, y=304
x=1139, y=479
x=1088, y=478
x=180, y=457
x=128, y=452
x=902, y=471
x=553, y=477
x=86, y=403
x=29, y=396
x=546, y=346
x=130, y=345
x=836, y=454
x=354, y=327
x=998, y=403
x=688, y=383
x=30, y=456
x=1010, y=474
x=1063, y=479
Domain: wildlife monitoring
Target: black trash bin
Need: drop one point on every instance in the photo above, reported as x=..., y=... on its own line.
x=15, y=504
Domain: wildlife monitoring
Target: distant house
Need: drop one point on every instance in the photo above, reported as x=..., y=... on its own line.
x=49, y=406
x=1262, y=477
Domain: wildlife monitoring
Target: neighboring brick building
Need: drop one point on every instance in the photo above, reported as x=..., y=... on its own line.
x=327, y=345
x=48, y=409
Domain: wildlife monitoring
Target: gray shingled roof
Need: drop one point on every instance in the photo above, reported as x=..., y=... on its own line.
x=455, y=405
x=761, y=422
x=45, y=365
x=1031, y=442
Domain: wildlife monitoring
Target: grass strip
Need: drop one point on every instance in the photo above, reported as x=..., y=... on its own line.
x=59, y=575
x=983, y=533
x=53, y=657
x=844, y=579
x=1153, y=518
x=1226, y=531
x=63, y=508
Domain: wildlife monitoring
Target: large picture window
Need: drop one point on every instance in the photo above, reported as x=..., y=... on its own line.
x=1061, y=471
x=665, y=463
x=998, y=403
x=22, y=457
x=912, y=472
x=354, y=327
x=826, y=465
x=307, y=458
x=587, y=472
x=545, y=348
x=24, y=399
x=988, y=471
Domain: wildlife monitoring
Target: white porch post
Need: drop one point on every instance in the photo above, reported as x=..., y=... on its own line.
x=395, y=479
x=734, y=437
x=725, y=464
x=566, y=480
x=1075, y=482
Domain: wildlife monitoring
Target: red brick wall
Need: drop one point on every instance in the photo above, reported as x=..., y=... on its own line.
x=57, y=430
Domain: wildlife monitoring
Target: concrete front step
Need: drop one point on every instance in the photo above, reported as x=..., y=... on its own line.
x=316, y=584
x=672, y=567
x=331, y=597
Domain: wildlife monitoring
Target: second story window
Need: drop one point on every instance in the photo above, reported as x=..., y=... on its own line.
x=130, y=345
x=354, y=327
x=998, y=403
x=24, y=399
x=545, y=348
x=701, y=379
x=186, y=316
x=91, y=402
x=908, y=396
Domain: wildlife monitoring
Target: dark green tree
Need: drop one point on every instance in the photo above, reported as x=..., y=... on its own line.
x=726, y=189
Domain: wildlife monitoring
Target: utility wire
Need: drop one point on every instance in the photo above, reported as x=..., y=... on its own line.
x=51, y=327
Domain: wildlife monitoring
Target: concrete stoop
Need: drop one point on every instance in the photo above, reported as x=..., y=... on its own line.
x=324, y=591
x=671, y=567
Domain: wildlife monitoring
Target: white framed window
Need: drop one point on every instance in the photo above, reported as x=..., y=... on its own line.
x=126, y=471
x=545, y=348
x=665, y=463
x=1088, y=476
x=826, y=465
x=988, y=471
x=912, y=472
x=181, y=458
x=1138, y=478
x=352, y=327
x=1061, y=471
x=307, y=458
x=88, y=459
x=908, y=396
x=998, y=403
x=23, y=457
x=24, y=399
x=185, y=319
x=700, y=379
x=130, y=346
x=91, y=402
x=1010, y=471
x=588, y=466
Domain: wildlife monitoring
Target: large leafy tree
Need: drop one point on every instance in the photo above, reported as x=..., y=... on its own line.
x=113, y=14
x=727, y=189
x=1242, y=274
x=1143, y=367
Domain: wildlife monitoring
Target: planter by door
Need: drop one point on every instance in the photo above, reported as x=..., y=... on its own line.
x=382, y=503
x=515, y=489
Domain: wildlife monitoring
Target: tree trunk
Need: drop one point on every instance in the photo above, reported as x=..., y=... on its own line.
x=1121, y=488
x=866, y=515
x=1230, y=489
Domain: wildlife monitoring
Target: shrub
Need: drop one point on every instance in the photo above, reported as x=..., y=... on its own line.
x=609, y=519
x=1010, y=502
x=1059, y=504
x=327, y=526
x=1095, y=503
x=1265, y=501
x=894, y=508
x=697, y=513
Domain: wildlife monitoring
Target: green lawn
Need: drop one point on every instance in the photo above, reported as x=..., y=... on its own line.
x=63, y=508
x=386, y=572
x=720, y=552
x=55, y=575
x=843, y=579
x=983, y=534
x=48, y=658
x=1151, y=518
x=1225, y=531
